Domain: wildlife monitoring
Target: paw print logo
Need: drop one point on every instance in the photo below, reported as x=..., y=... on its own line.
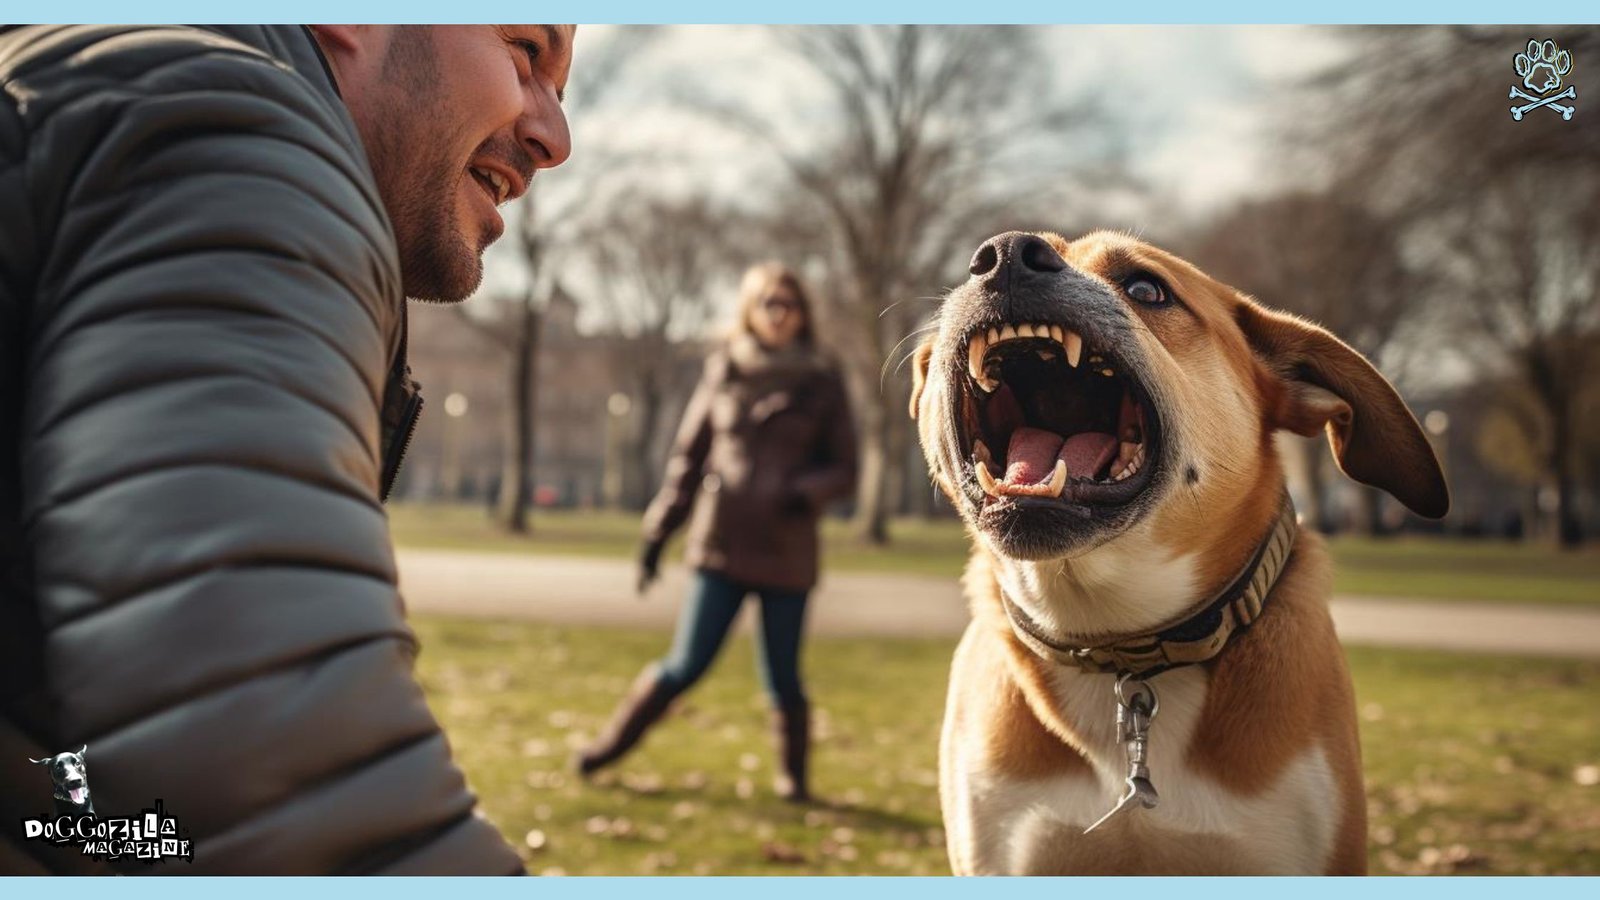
x=1542, y=67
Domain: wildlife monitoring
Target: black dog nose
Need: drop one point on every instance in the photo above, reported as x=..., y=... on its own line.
x=1018, y=250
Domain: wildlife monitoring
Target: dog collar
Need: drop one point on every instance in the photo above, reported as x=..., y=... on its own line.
x=1197, y=638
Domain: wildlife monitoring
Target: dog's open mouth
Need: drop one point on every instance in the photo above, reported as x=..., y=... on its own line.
x=78, y=794
x=1047, y=418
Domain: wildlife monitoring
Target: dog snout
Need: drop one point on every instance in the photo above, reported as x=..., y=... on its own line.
x=1014, y=256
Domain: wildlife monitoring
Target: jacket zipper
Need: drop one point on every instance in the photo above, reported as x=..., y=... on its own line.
x=397, y=450
x=401, y=375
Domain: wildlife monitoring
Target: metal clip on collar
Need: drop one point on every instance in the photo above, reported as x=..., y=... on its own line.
x=1135, y=712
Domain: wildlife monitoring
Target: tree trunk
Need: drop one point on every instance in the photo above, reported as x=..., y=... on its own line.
x=920, y=501
x=644, y=489
x=1369, y=511
x=1569, y=531
x=516, y=482
x=1314, y=454
x=871, y=520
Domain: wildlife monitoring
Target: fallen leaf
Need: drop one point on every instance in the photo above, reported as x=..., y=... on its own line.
x=780, y=852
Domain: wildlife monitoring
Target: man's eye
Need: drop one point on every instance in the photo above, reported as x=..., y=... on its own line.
x=532, y=49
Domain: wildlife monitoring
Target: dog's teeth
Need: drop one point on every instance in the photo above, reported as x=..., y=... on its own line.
x=1008, y=332
x=1046, y=355
x=1058, y=478
x=994, y=337
x=985, y=480
x=1107, y=372
x=1055, y=333
x=1024, y=330
x=975, y=350
x=1074, y=345
x=980, y=452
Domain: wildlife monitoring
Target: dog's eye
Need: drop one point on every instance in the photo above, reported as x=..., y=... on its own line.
x=1145, y=289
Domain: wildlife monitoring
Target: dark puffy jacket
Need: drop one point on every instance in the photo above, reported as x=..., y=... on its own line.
x=202, y=397
x=766, y=442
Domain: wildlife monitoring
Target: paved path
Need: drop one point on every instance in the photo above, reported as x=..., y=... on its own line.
x=599, y=591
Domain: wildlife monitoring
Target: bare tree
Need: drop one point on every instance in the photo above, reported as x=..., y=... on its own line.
x=658, y=262
x=511, y=322
x=1501, y=211
x=922, y=137
x=1323, y=255
x=1522, y=264
x=510, y=319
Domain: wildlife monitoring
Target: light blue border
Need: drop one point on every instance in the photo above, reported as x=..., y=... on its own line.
x=1240, y=12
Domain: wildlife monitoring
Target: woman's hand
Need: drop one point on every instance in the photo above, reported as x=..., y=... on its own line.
x=649, y=563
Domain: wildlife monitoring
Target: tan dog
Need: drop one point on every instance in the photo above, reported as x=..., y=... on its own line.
x=1102, y=414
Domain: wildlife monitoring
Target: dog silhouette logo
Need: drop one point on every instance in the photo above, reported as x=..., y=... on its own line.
x=1543, y=67
x=70, y=774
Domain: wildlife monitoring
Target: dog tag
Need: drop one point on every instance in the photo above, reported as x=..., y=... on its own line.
x=1134, y=715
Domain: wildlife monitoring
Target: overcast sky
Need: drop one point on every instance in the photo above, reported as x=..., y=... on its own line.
x=1194, y=104
x=1197, y=100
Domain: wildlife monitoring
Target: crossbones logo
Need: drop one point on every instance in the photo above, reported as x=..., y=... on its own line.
x=1542, y=66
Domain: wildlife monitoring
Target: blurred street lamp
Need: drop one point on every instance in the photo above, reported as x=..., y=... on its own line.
x=455, y=409
x=1437, y=422
x=618, y=405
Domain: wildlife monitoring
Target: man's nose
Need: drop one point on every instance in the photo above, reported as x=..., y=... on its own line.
x=543, y=129
x=1014, y=257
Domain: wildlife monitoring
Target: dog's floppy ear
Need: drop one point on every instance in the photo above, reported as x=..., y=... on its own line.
x=919, y=374
x=1316, y=382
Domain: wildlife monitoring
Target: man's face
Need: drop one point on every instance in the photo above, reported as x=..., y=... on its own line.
x=456, y=124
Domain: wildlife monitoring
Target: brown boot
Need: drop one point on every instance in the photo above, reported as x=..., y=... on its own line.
x=792, y=727
x=646, y=701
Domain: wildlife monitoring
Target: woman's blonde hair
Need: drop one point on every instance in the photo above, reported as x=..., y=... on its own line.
x=759, y=281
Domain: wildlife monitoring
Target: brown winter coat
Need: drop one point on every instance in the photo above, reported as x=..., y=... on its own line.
x=766, y=442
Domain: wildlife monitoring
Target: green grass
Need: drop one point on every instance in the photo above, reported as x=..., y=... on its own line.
x=1467, y=570
x=1473, y=764
x=1425, y=568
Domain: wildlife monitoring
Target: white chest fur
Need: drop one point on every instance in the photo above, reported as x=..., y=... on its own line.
x=1131, y=585
x=1199, y=826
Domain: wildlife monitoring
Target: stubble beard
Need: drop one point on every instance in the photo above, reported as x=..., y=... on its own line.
x=416, y=176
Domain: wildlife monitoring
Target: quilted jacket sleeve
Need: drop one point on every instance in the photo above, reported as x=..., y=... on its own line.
x=200, y=463
x=687, y=460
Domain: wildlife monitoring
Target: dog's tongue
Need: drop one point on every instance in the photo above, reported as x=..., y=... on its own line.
x=78, y=793
x=1087, y=453
x=1032, y=455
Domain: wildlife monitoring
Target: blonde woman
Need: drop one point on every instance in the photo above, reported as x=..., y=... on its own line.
x=766, y=442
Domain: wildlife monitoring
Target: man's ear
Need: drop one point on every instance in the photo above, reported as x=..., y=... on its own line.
x=345, y=37
x=919, y=374
x=1315, y=382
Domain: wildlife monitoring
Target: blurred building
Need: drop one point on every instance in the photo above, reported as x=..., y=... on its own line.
x=579, y=428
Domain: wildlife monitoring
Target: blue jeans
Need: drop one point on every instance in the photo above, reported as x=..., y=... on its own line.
x=703, y=626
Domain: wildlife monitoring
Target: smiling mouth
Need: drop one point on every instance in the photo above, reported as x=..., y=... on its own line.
x=1046, y=418
x=497, y=186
